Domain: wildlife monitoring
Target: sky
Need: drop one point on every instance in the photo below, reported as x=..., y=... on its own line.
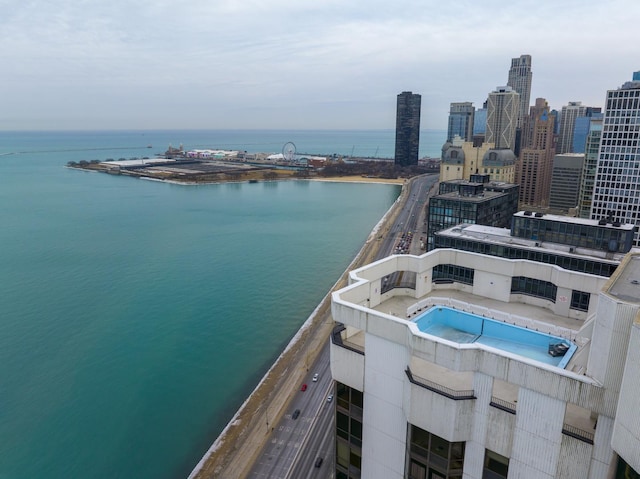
x=296, y=64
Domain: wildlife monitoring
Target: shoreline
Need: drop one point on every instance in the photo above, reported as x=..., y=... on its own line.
x=242, y=437
x=335, y=179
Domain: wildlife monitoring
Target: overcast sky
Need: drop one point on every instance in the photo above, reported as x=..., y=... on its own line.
x=284, y=64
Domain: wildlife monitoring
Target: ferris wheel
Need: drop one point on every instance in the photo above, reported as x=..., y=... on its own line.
x=289, y=151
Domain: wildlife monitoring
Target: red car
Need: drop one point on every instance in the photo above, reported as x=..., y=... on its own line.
x=303, y=388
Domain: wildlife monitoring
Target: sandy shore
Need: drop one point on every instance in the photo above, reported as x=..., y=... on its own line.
x=359, y=179
x=233, y=453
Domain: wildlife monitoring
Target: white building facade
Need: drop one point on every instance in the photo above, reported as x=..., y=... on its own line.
x=415, y=405
x=616, y=191
x=503, y=108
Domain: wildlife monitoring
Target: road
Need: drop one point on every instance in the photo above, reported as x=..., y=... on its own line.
x=295, y=444
x=289, y=436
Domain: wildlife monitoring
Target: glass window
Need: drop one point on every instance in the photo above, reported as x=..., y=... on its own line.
x=342, y=454
x=431, y=456
x=534, y=287
x=495, y=466
x=580, y=300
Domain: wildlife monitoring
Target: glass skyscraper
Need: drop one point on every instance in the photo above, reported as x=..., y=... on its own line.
x=461, y=121
x=407, y=128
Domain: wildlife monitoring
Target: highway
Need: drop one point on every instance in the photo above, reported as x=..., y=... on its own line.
x=296, y=444
x=291, y=436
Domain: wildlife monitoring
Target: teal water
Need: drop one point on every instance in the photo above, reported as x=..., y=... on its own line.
x=136, y=316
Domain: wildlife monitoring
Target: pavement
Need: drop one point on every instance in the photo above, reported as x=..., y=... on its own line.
x=237, y=448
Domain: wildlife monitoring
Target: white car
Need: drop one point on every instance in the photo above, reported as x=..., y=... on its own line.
x=315, y=377
x=330, y=398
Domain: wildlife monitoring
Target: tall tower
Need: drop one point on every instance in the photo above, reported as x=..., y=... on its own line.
x=615, y=192
x=529, y=122
x=503, y=106
x=536, y=161
x=591, y=148
x=520, y=76
x=407, y=128
x=567, y=124
x=461, y=121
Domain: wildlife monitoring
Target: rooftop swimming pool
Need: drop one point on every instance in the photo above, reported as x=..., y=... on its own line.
x=465, y=328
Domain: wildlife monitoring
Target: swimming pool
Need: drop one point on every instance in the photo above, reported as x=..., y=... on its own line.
x=465, y=328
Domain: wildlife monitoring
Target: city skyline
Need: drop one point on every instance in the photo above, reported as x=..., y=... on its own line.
x=284, y=65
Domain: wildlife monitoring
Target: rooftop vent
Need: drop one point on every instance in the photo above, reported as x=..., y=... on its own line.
x=602, y=222
x=527, y=213
x=539, y=215
x=616, y=224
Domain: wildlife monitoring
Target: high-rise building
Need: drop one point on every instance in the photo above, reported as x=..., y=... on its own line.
x=567, y=124
x=534, y=168
x=592, y=146
x=480, y=120
x=487, y=367
x=535, y=111
x=407, y=129
x=461, y=121
x=566, y=174
x=520, y=76
x=503, y=106
x=575, y=244
x=478, y=201
x=616, y=193
x=581, y=128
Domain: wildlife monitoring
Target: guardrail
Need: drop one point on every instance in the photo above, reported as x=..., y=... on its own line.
x=336, y=338
x=503, y=405
x=577, y=433
x=440, y=389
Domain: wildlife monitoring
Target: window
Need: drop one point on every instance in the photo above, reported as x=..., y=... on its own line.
x=534, y=287
x=495, y=465
x=348, y=432
x=580, y=300
x=430, y=456
x=452, y=272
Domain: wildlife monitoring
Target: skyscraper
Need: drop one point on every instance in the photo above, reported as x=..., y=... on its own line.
x=461, y=121
x=567, y=124
x=520, y=75
x=534, y=167
x=592, y=146
x=581, y=128
x=565, y=181
x=407, y=128
x=616, y=194
x=502, y=116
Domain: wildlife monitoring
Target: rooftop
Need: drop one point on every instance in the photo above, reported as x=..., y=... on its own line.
x=502, y=236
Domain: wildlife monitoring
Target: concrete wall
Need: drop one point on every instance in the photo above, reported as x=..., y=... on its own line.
x=384, y=424
x=626, y=429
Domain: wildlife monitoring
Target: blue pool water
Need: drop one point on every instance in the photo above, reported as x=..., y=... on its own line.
x=465, y=328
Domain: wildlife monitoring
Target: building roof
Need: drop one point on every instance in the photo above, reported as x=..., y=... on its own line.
x=502, y=236
x=574, y=220
x=499, y=157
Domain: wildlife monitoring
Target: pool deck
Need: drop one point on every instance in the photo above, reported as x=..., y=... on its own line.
x=397, y=306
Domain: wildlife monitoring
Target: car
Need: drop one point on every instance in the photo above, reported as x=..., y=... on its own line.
x=315, y=377
x=330, y=398
x=304, y=387
x=295, y=414
x=318, y=462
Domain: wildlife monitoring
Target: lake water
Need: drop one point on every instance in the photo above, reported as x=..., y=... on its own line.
x=136, y=316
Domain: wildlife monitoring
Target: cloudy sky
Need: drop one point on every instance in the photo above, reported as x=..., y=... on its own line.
x=330, y=64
